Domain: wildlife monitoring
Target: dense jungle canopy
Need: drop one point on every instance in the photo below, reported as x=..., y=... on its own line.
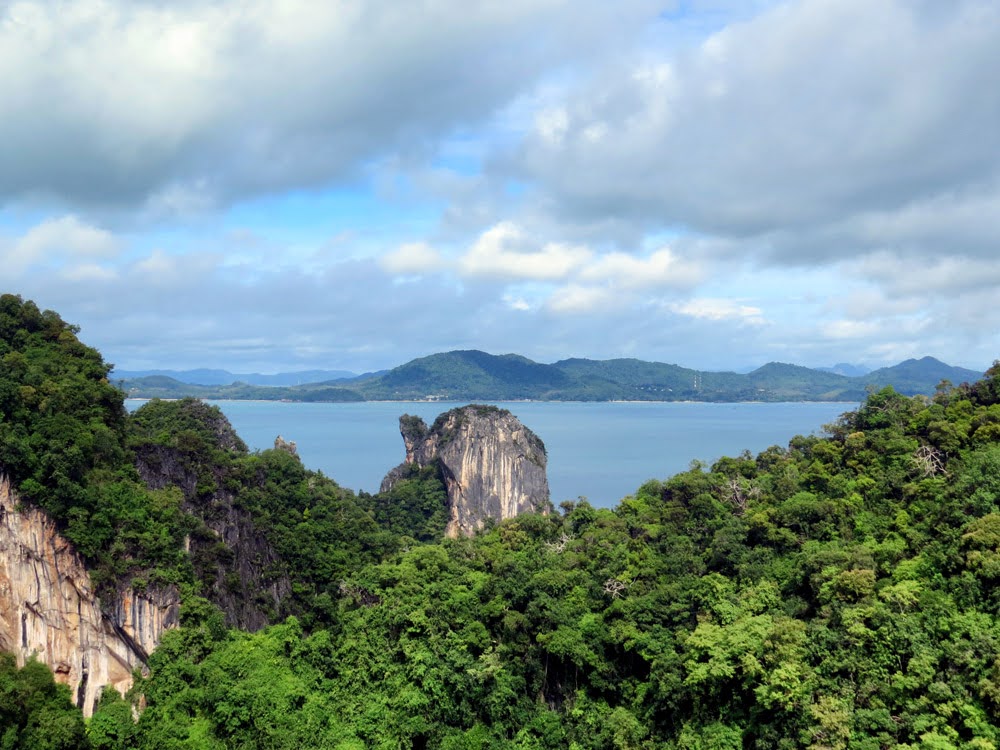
x=838, y=592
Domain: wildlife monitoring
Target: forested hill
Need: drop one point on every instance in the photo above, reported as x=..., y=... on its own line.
x=475, y=375
x=838, y=592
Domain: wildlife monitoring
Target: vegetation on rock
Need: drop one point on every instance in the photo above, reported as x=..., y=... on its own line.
x=63, y=445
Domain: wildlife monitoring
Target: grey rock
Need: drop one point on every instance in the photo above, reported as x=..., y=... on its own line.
x=493, y=466
x=242, y=581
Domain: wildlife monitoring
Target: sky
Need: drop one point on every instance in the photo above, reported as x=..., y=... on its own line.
x=275, y=185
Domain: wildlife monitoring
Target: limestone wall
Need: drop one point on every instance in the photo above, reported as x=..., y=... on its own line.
x=48, y=609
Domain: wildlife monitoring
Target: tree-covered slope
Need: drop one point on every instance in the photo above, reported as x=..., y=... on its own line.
x=35, y=712
x=912, y=376
x=460, y=375
x=837, y=593
x=634, y=377
x=206, y=376
x=63, y=446
x=268, y=537
x=163, y=386
x=777, y=381
x=170, y=496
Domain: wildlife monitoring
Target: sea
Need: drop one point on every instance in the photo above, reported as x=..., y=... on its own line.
x=598, y=451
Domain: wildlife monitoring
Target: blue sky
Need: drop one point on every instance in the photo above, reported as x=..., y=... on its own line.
x=278, y=184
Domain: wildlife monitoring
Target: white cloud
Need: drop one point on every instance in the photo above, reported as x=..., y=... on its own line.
x=919, y=278
x=661, y=268
x=67, y=235
x=860, y=114
x=574, y=298
x=55, y=241
x=850, y=329
x=838, y=159
x=870, y=302
x=185, y=104
x=88, y=273
x=720, y=309
x=506, y=251
x=552, y=125
x=412, y=258
x=165, y=270
x=517, y=303
x=158, y=264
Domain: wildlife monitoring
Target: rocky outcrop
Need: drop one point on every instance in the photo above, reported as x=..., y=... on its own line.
x=230, y=555
x=48, y=609
x=280, y=444
x=239, y=570
x=493, y=466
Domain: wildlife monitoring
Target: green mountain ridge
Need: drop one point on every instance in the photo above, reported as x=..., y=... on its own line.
x=478, y=376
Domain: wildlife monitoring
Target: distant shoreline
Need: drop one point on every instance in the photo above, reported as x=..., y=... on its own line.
x=439, y=377
x=476, y=400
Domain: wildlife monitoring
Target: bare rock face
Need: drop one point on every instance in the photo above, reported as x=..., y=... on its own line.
x=493, y=466
x=280, y=444
x=48, y=609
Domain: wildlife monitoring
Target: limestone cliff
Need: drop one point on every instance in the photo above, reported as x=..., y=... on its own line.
x=230, y=555
x=192, y=446
x=493, y=466
x=48, y=608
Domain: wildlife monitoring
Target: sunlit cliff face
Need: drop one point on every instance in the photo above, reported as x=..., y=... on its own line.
x=48, y=609
x=493, y=466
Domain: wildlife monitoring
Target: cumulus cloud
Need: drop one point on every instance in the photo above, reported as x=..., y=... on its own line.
x=515, y=302
x=182, y=104
x=55, y=241
x=901, y=276
x=817, y=182
x=509, y=252
x=859, y=114
x=574, y=298
x=662, y=268
x=719, y=309
x=412, y=258
x=850, y=329
x=85, y=273
x=506, y=251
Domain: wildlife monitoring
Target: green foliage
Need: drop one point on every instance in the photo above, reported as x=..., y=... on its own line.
x=307, y=531
x=190, y=425
x=165, y=387
x=416, y=506
x=320, y=531
x=112, y=726
x=60, y=418
x=838, y=593
x=35, y=712
x=62, y=443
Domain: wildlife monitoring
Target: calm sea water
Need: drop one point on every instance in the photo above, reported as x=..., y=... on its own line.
x=601, y=451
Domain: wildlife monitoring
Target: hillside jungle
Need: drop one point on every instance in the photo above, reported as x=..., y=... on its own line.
x=840, y=592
